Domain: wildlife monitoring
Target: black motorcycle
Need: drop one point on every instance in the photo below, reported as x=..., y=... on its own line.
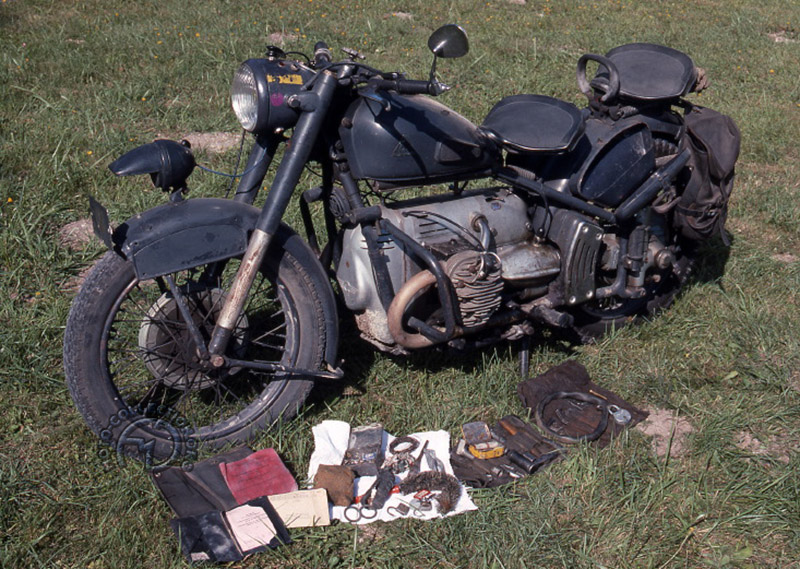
x=215, y=314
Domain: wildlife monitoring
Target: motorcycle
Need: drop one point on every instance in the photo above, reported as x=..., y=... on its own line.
x=215, y=314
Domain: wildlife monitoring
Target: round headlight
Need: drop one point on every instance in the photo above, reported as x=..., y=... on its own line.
x=244, y=97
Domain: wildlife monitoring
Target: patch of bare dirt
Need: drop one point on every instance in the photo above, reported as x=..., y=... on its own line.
x=214, y=142
x=72, y=286
x=794, y=381
x=669, y=432
x=785, y=258
x=280, y=38
x=76, y=235
x=775, y=447
x=782, y=36
x=400, y=16
x=370, y=532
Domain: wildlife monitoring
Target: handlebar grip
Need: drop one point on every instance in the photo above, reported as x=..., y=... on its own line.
x=413, y=87
x=322, y=54
x=406, y=86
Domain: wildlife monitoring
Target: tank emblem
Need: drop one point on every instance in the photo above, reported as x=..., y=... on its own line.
x=293, y=79
x=401, y=150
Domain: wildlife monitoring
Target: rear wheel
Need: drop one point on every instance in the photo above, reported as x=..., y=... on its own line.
x=134, y=372
x=598, y=317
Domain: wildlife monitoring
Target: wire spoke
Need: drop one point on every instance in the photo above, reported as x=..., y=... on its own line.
x=267, y=345
x=272, y=332
x=149, y=357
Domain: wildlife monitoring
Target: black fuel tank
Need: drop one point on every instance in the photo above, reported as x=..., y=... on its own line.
x=415, y=140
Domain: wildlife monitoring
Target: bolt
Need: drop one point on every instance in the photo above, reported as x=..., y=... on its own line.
x=664, y=259
x=217, y=360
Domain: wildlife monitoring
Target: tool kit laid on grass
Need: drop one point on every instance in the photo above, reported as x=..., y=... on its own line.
x=241, y=502
x=566, y=406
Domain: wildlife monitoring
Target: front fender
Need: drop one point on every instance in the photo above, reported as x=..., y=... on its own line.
x=185, y=234
x=177, y=236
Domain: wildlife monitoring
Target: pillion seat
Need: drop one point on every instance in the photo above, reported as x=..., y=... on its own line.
x=648, y=72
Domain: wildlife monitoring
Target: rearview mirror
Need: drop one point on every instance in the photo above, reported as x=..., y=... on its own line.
x=449, y=41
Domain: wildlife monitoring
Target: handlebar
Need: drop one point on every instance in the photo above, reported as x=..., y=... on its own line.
x=408, y=86
x=322, y=54
x=376, y=80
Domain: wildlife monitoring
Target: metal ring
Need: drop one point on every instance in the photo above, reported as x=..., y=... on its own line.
x=578, y=396
x=363, y=511
x=354, y=509
x=395, y=445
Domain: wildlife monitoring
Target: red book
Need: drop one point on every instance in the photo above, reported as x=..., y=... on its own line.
x=260, y=474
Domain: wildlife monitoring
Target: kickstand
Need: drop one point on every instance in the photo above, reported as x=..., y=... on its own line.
x=524, y=357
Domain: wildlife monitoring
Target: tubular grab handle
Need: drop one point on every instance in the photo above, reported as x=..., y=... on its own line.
x=613, y=76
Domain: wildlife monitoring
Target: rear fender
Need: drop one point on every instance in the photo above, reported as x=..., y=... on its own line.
x=181, y=235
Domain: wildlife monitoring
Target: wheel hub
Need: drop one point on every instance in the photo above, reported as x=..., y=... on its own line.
x=169, y=353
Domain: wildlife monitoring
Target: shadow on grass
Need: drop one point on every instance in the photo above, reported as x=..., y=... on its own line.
x=360, y=357
x=711, y=257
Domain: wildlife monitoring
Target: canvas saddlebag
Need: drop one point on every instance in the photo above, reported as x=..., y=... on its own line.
x=714, y=142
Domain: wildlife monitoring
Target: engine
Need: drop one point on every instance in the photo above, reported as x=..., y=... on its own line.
x=485, y=241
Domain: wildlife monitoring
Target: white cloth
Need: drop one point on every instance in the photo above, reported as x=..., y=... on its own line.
x=330, y=443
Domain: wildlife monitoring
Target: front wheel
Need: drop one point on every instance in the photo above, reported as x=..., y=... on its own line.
x=135, y=374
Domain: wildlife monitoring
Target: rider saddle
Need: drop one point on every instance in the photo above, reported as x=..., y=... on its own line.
x=646, y=73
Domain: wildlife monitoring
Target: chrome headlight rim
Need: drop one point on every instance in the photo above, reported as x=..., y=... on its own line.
x=245, y=97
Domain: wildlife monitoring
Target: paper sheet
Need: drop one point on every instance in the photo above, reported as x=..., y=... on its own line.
x=330, y=443
x=301, y=509
x=250, y=527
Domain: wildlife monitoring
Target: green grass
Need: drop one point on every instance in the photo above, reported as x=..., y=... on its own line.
x=81, y=82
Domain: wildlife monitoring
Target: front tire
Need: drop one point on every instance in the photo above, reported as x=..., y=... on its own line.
x=135, y=376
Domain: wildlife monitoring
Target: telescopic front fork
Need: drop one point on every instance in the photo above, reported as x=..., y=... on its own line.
x=314, y=106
